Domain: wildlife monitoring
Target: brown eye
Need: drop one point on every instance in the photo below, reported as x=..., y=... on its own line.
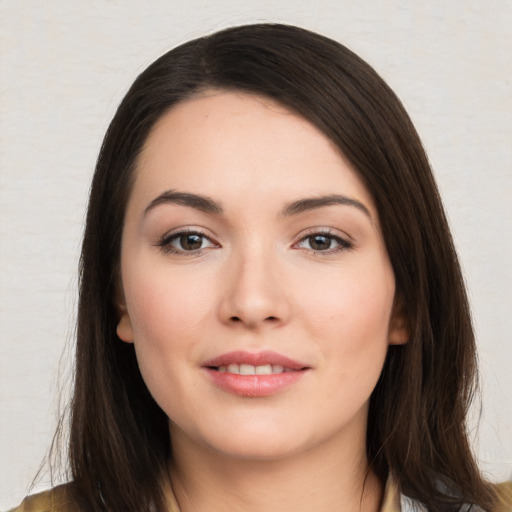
x=190, y=241
x=324, y=242
x=320, y=242
x=186, y=242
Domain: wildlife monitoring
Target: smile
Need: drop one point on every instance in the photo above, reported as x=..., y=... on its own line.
x=254, y=375
x=249, y=369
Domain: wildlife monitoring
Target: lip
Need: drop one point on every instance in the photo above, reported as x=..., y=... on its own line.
x=255, y=359
x=255, y=385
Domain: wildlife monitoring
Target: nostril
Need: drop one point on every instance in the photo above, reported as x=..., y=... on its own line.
x=253, y=321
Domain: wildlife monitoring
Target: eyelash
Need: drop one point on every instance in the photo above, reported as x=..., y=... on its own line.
x=166, y=242
x=343, y=244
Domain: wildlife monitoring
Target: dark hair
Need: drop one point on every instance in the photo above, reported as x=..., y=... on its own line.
x=119, y=440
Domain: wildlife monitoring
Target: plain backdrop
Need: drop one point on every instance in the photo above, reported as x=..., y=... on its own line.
x=65, y=65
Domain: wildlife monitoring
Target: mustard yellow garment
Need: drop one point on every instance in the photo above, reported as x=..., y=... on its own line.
x=57, y=500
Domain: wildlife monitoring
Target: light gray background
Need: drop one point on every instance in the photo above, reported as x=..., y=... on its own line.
x=66, y=64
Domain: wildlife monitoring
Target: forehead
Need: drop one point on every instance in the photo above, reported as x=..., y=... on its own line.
x=224, y=143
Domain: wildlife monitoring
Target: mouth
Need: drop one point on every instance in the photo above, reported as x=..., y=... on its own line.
x=266, y=362
x=250, y=369
x=259, y=374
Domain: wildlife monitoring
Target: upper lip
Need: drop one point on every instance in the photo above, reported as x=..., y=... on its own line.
x=256, y=359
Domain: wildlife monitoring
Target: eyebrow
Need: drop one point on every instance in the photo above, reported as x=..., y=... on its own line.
x=198, y=202
x=208, y=205
x=312, y=203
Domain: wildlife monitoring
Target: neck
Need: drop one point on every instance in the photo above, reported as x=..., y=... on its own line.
x=321, y=479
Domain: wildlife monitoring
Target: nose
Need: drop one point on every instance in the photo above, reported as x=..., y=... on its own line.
x=254, y=294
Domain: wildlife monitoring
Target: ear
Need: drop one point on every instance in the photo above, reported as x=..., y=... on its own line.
x=398, y=325
x=124, y=325
x=124, y=328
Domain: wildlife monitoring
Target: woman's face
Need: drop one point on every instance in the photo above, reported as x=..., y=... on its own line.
x=257, y=288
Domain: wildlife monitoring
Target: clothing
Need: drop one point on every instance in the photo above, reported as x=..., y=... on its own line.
x=56, y=500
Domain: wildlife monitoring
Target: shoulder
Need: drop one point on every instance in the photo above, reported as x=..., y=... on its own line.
x=54, y=500
x=503, y=504
x=504, y=494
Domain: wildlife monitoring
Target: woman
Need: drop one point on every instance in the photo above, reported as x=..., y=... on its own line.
x=271, y=314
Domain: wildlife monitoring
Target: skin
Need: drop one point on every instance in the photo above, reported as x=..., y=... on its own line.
x=257, y=284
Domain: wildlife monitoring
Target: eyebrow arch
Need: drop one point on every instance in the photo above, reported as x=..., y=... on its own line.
x=198, y=202
x=311, y=203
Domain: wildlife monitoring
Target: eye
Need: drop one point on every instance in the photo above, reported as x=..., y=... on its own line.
x=323, y=242
x=186, y=241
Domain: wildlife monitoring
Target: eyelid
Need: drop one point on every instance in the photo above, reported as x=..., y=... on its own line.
x=324, y=230
x=164, y=242
x=344, y=240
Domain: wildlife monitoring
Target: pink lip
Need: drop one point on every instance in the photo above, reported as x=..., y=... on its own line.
x=256, y=359
x=254, y=385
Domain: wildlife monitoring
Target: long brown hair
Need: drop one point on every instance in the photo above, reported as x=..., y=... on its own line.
x=119, y=441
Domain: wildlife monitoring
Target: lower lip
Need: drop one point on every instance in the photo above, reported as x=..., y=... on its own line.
x=254, y=385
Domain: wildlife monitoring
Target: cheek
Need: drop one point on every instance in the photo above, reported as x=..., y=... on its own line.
x=350, y=319
x=356, y=303
x=165, y=308
x=167, y=314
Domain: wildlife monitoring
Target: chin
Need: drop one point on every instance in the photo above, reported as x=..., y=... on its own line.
x=271, y=448
x=267, y=441
x=249, y=440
